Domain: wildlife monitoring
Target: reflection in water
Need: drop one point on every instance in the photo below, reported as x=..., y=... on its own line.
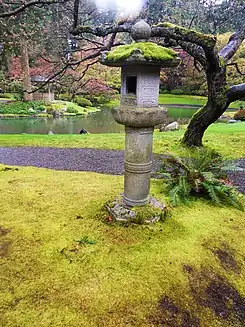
x=98, y=122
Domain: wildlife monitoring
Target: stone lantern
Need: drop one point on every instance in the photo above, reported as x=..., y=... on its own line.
x=141, y=62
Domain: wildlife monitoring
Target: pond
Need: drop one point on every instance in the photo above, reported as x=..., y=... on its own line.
x=98, y=122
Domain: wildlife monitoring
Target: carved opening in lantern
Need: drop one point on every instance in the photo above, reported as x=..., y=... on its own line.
x=131, y=84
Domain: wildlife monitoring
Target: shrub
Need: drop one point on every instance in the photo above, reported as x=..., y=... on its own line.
x=41, y=108
x=65, y=97
x=7, y=95
x=240, y=115
x=99, y=99
x=177, y=91
x=72, y=110
x=201, y=173
x=21, y=107
x=82, y=101
x=50, y=109
x=15, y=86
x=16, y=108
x=164, y=91
x=18, y=96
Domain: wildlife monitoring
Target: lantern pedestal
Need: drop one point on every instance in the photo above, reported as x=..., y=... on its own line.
x=138, y=165
x=139, y=126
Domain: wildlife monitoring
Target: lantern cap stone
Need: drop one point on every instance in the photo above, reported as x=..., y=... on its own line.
x=141, y=53
x=141, y=31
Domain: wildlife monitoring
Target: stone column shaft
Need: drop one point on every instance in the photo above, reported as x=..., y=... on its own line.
x=138, y=165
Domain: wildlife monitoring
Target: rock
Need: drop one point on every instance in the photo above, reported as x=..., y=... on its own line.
x=162, y=128
x=223, y=119
x=50, y=133
x=83, y=131
x=56, y=114
x=132, y=214
x=232, y=121
x=172, y=127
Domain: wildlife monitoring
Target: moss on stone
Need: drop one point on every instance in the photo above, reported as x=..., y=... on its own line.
x=149, y=50
x=147, y=213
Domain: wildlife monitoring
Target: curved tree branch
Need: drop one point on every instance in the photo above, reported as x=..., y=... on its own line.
x=195, y=51
x=178, y=33
x=236, y=92
x=233, y=44
x=102, y=31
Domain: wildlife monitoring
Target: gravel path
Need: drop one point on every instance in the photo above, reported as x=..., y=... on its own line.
x=238, y=177
x=95, y=160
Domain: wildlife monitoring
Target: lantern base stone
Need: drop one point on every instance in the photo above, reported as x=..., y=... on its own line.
x=153, y=212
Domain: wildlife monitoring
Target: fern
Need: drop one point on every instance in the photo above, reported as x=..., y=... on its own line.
x=174, y=194
x=202, y=172
x=184, y=186
x=212, y=192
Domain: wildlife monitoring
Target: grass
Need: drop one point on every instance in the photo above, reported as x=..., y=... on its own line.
x=190, y=100
x=187, y=100
x=182, y=99
x=163, y=142
x=5, y=99
x=121, y=276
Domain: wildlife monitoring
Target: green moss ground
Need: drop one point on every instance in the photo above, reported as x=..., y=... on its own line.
x=233, y=147
x=151, y=51
x=131, y=276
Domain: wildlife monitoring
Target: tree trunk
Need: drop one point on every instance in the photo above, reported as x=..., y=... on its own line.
x=24, y=58
x=216, y=105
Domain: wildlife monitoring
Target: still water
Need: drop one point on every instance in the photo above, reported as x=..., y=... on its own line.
x=95, y=123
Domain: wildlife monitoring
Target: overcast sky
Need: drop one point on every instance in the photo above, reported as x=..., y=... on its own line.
x=125, y=6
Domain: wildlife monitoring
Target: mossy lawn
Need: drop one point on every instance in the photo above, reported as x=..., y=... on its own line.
x=186, y=271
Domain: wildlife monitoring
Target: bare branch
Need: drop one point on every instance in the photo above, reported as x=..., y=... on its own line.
x=102, y=31
x=29, y=4
x=237, y=67
x=195, y=15
x=75, y=13
x=71, y=65
x=111, y=41
x=236, y=92
x=233, y=44
x=196, y=66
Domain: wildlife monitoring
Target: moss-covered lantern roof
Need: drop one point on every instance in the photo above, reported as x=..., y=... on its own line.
x=141, y=53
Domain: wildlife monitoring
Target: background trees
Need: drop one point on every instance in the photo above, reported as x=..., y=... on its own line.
x=54, y=26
